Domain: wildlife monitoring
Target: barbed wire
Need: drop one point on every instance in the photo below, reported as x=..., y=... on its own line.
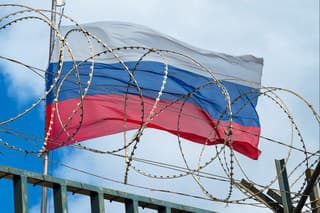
x=223, y=154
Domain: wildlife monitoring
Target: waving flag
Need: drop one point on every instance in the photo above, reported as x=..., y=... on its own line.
x=116, y=91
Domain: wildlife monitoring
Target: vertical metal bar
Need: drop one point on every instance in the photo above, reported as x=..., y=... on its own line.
x=164, y=210
x=60, y=198
x=131, y=206
x=314, y=195
x=20, y=194
x=45, y=157
x=97, y=202
x=44, y=189
x=52, y=32
x=284, y=186
x=309, y=187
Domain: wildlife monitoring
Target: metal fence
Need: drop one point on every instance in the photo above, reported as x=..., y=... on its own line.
x=97, y=194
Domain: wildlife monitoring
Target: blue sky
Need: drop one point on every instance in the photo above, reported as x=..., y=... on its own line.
x=285, y=34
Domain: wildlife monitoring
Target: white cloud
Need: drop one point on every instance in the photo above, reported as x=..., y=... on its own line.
x=27, y=42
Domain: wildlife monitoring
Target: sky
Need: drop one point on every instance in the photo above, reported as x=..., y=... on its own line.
x=285, y=34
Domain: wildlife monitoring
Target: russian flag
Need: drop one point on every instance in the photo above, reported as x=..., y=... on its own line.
x=140, y=76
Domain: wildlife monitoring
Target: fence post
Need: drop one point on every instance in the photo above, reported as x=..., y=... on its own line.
x=164, y=210
x=60, y=198
x=314, y=195
x=284, y=186
x=306, y=192
x=131, y=206
x=97, y=202
x=20, y=194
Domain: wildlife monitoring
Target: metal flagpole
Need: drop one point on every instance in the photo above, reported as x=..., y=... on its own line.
x=46, y=154
x=44, y=189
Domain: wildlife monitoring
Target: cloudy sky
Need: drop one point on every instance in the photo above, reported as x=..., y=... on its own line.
x=285, y=34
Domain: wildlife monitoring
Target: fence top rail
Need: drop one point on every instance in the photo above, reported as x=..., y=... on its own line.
x=88, y=189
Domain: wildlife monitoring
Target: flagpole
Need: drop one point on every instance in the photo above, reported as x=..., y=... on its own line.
x=46, y=154
x=44, y=189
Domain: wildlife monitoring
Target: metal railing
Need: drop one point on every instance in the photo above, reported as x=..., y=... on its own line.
x=60, y=187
